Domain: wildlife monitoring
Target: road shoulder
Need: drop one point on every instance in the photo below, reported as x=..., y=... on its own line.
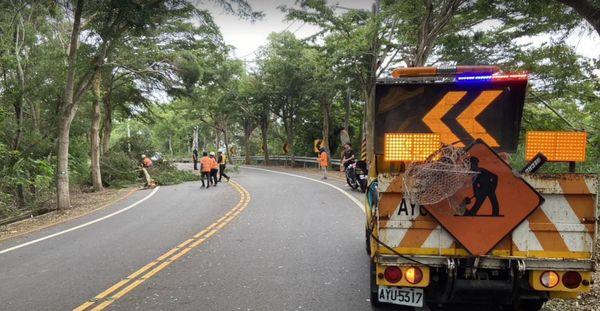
x=83, y=204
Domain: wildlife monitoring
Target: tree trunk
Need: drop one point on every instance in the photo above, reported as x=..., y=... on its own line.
x=68, y=110
x=21, y=91
x=226, y=142
x=290, y=142
x=264, y=128
x=106, y=122
x=347, y=110
x=587, y=9
x=369, y=92
x=249, y=126
x=247, y=147
x=171, y=144
x=34, y=115
x=95, y=137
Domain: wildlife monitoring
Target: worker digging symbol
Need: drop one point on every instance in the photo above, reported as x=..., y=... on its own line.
x=484, y=186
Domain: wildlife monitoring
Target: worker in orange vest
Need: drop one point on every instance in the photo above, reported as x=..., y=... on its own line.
x=146, y=161
x=323, y=161
x=205, y=167
x=214, y=168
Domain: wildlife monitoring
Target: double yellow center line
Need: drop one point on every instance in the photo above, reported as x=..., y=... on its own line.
x=121, y=288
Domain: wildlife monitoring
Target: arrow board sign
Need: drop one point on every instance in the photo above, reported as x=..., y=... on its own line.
x=461, y=114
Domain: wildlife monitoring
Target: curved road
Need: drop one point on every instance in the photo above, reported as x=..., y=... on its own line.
x=267, y=241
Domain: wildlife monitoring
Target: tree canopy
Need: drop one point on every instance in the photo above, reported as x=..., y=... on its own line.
x=87, y=86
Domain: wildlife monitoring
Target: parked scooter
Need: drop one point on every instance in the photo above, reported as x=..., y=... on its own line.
x=357, y=175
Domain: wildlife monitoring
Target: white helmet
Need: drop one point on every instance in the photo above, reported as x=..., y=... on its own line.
x=212, y=153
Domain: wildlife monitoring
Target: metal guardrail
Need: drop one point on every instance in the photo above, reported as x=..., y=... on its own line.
x=306, y=161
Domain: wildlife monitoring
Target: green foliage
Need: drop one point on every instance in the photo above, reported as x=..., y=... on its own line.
x=135, y=146
x=166, y=173
x=24, y=182
x=119, y=169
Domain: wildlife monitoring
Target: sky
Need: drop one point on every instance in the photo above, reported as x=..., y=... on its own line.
x=247, y=37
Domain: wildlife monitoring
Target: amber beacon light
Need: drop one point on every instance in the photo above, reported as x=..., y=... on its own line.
x=410, y=147
x=557, y=146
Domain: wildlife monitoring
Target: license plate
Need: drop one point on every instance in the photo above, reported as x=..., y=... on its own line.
x=405, y=296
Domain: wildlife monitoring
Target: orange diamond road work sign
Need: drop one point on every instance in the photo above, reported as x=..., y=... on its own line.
x=489, y=207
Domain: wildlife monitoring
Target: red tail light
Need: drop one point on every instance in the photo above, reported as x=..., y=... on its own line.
x=571, y=279
x=393, y=274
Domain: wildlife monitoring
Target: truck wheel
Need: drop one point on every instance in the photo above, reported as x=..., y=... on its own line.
x=368, y=241
x=529, y=305
x=374, y=289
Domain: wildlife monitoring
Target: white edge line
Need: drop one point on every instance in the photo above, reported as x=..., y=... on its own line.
x=357, y=202
x=80, y=226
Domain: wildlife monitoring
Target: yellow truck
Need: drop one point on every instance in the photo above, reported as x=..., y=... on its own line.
x=448, y=220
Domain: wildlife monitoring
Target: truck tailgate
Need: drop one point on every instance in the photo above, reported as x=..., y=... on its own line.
x=564, y=226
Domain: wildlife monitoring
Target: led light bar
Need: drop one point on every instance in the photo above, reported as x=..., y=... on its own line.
x=411, y=147
x=557, y=146
x=492, y=77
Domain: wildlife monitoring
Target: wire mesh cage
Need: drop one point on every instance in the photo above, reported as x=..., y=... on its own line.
x=439, y=177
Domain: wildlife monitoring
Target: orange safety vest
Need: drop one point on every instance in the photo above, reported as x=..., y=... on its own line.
x=215, y=165
x=206, y=164
x=323, y=159
x=147, y=162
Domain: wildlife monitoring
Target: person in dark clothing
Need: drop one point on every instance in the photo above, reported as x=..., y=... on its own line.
x=195, y=159
x=221, y=158
x=349, y=156
x=484, y=186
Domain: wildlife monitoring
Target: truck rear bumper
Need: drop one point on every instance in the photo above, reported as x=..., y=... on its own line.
x=492, y=262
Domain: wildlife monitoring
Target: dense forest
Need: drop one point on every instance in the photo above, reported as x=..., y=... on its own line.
x=86, y=87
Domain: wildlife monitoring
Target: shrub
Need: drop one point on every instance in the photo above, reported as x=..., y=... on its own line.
x=166, y=173
x=119, y=169
x=23, y=180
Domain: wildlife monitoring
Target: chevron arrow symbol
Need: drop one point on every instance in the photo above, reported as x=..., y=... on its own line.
x=433, y=119
x=467, y=119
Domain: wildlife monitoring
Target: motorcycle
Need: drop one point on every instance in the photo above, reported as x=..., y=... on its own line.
x=357, y=175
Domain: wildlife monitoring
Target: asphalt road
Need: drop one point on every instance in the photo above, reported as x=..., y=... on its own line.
x=278, y=242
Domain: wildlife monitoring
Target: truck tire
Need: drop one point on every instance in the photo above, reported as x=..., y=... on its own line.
x=529, y=305
x=368, y=241
x=374, y=289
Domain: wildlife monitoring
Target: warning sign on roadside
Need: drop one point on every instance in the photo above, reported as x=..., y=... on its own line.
x=317, y=144
x=491, y=206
